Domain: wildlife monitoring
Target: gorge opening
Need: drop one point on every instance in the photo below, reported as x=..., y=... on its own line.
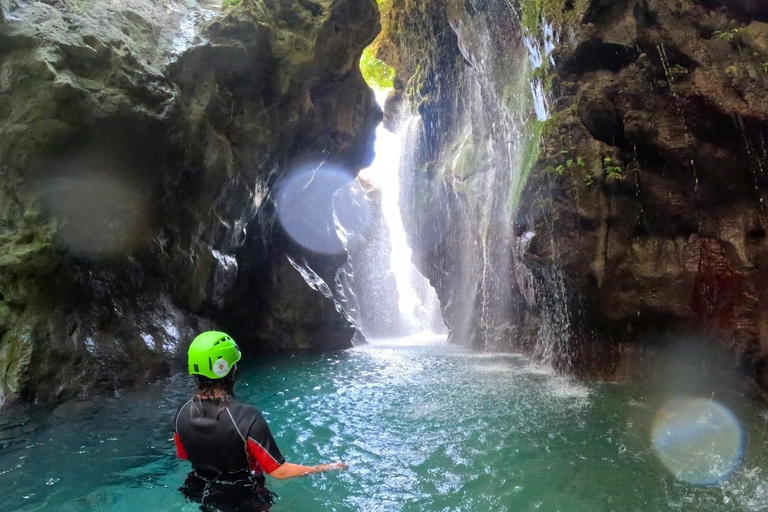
x=573, y=190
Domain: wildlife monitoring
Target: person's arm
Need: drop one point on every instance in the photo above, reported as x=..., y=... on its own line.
x=263, y=450
x=288, y=470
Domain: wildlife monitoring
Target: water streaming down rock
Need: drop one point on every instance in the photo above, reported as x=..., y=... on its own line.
x=467, y=160
x=380, y=283
x=583, y=178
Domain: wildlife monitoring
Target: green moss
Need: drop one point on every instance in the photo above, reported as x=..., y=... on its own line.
x=14, y=357
x=551, y=11
x=6, y=318
x=530, y=154
x=545, y=75
x=230, y=3
x=80, y=6
x=677, y=73
x=377, y=74
x=384, y=7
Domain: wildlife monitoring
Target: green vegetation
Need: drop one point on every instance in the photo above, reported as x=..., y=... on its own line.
x=377, y=74
x=569, y=163
x=384, y=7
x=538, y=136
x=556, y=171
x=551, y=11
x=677, y=73
x=546, y=75
x=612, y=170
x=729, y=33
x=230, y=3
x=531, y=150
x=588, y=178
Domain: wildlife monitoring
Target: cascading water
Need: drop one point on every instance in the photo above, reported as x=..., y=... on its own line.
x=466, y=164
x=417, y=301
x=393, y=297
x=356, y=224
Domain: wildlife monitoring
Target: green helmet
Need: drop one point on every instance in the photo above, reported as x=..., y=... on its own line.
x=212, y=354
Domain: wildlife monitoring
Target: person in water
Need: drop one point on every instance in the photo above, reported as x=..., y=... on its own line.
x=228, y=443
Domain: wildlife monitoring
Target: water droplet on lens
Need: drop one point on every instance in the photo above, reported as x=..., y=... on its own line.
x=698, y=440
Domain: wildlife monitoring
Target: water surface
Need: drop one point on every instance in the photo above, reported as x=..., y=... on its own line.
x=425, y=426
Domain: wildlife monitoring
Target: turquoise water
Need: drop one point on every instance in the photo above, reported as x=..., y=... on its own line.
x=425, y=427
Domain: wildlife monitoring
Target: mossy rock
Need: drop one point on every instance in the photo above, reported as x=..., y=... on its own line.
x=554, y=12
x=15, y=355
x=6, y=317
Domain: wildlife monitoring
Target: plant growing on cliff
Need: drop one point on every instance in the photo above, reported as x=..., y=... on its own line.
x=377, y=74
x=582, y=165
x=728, y=34
x=230, y=3
x=677, y=73
x=534, y=12
x=612, y=170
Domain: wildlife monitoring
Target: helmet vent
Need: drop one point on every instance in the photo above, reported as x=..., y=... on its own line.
x=210, y=364
x=197, y=368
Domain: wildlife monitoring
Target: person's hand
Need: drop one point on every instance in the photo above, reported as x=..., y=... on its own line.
x=336, y=466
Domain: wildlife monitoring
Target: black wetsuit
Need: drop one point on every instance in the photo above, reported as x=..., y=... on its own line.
x=230, y=448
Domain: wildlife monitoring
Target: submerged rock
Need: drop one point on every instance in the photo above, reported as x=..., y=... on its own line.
x=140, y=143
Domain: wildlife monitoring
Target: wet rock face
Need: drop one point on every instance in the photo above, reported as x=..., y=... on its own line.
x=139, y=146
x=646, y=188
x=662, y=229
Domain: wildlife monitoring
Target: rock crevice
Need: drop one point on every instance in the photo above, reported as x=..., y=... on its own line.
x=140, y=144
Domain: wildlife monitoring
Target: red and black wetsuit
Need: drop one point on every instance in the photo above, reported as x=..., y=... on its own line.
x=230, y=447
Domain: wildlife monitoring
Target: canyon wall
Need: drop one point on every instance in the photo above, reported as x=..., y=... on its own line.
x=140, y=146
x=590, y=175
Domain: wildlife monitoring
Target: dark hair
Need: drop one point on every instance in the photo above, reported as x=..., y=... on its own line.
x=219, y=391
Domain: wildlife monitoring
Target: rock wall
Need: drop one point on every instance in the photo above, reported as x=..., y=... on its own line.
x=636, y=183
x=140, y=143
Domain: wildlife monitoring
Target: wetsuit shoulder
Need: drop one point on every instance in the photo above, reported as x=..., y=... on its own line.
x=178, y=413
x=261, y=446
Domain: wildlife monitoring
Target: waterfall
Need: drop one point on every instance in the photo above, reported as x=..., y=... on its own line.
x=467, y=162
x=417, y=301
x=393, y=297
x=376, y=287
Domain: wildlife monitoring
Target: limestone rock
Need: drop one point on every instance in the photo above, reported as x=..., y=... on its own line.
x=140, y=143
x=633, y=186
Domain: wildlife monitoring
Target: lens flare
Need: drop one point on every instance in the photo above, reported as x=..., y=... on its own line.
x=100, y=213
x=699, y=441
x=305, y=206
